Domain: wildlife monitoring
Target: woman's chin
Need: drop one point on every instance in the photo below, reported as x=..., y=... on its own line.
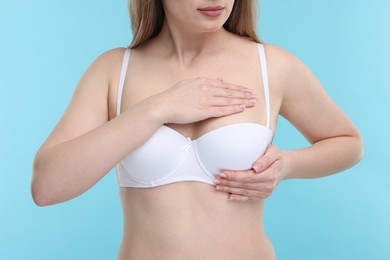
x=210, y=28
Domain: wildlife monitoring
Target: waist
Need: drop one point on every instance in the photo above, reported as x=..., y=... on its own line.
x=187, y=201
x=188, y=215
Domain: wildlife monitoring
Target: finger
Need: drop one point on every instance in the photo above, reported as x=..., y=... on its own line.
x=247, y=176
x=271, y=155
x=262, y=182
x=241, y=176
x=228, y=85
x=223, y=84
x=244, y=192
x=223, y=101
x=231, y=93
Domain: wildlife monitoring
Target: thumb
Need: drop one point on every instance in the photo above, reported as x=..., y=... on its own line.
x=266, y=160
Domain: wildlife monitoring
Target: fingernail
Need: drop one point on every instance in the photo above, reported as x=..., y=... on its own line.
x=218, y=187
x=222, y=175
x=252, y=100
x=217, y=181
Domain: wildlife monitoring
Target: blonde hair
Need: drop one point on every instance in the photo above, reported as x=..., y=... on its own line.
x=147, y=18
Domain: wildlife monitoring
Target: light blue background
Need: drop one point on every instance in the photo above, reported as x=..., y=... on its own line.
x=46, y=46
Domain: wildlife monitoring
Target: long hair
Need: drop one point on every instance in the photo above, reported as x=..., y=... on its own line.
x=147, y=17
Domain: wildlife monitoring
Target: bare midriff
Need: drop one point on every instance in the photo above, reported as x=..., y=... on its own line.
x=191, y=220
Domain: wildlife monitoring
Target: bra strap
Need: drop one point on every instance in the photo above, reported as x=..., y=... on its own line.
x=265, y=80
x=125, y=63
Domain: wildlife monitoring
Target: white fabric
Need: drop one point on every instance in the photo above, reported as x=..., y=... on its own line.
x=169, y=157
x=264, y=73
x=125, y=64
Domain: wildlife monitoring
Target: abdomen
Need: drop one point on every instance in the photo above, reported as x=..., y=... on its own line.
x=191, y=220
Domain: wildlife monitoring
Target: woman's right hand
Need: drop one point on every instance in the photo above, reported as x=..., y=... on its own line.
x=193, y=100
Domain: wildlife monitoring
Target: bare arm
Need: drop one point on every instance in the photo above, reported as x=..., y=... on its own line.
x=84, y=145
x=335, y=142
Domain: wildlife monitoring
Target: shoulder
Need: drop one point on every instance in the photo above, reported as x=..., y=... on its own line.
x=112, y=54
x=109, y=60
x=106, y=67
x=285, y=69
x=100, y=74
x=281, y=60
x=278, y=59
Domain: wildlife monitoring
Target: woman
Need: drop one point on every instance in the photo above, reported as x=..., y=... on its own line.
x=187, y=115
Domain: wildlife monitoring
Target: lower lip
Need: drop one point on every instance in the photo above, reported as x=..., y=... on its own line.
x=211, y=13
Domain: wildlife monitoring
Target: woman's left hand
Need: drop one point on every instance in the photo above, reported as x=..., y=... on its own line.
x=257, y=183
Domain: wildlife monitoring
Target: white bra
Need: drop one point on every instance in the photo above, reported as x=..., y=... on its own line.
x=168, y=156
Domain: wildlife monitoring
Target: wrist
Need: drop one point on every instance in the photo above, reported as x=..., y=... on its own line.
x=155, y=109
x=288, y=164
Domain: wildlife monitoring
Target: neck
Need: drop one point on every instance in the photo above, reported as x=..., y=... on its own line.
x=185, y=45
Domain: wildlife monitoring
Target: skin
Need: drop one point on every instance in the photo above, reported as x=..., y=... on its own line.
x=185, y=64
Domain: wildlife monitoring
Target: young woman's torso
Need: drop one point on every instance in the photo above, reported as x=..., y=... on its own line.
x=191, y=220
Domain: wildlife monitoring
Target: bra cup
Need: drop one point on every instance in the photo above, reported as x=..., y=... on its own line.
x=169, y=157
x=227, y=149
x=157, y=158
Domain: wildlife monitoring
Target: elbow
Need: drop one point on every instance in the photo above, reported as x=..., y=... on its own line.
x=39, y=191
x=38, y=194
x=45, y=191
x=38, y=199
x=41, y=195
x=359, y=149
x=49, y=184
